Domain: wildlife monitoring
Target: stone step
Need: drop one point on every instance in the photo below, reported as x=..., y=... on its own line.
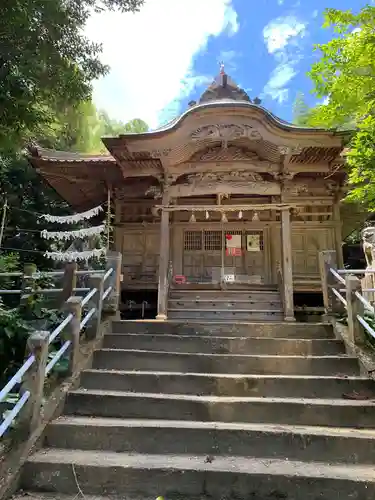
x=226, y=314
x=226, y=385
x=106, y=473
x=213, y=438
x=223, y=345
x=220, y=328
x=234, y=296
x=131, y=359
x=291, y=411
x=247, y=305
x=32, y=495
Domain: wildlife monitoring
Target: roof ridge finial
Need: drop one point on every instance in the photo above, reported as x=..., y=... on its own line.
x=222, y=70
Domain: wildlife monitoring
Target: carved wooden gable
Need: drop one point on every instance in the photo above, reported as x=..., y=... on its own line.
x=225, y=132
x=218, y=153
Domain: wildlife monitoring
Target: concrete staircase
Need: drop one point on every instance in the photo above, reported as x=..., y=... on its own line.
x=221, y=411
x=225, y=305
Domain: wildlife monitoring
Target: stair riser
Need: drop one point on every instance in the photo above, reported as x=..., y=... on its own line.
x=106, y=480
x=225, y=314
x=154, y=440
x=191, y=363
x=283, y=330
x=225, y=346
x=226, y=305
x=216, y=386
x=226, y=296
x=254, y=412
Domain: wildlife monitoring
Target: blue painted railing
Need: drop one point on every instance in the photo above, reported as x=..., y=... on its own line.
x=102, y=296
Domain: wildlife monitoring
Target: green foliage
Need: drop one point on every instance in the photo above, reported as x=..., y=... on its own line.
x=27, y=194
x=14, y=332
x=346, y=75
x=300, y=110
x=46, y=62
x=81, y=127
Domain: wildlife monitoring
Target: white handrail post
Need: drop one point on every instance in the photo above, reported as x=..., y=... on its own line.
x=73, y=330
x=327, y=260
x=95, y=281
x=33, y=382
x=111, y=303
x=354, y=308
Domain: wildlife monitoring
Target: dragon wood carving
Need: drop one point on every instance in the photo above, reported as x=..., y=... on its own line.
x=225, y=133
x=231, y=153
x=214, y=177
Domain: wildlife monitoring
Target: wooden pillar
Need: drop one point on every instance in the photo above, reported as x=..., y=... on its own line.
x=286, y=243
x=163, y=265
x=338, y=235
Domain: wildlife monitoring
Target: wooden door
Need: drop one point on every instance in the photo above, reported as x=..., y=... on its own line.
x=202, y=256
x=306, y=245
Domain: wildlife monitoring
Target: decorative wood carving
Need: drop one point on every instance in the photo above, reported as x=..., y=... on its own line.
x=233, y=186
x=295, y=189
x=160, y=153
x=218, y=153
x=283, y=176
x=290, y=150
x=212, y=177
x=225, y=133
x=154, y=191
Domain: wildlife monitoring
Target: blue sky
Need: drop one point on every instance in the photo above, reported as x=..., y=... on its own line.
x=166, y=55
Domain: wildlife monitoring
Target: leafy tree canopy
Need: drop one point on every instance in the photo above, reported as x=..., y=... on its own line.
x=345, y=75
x=46, y=62
x=81, y=127
x=300, y=110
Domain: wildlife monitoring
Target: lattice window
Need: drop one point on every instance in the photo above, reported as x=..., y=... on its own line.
x=193, y=240
x=213, y=240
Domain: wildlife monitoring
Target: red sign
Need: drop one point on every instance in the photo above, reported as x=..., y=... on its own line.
x=180, y=279
x=234, y=252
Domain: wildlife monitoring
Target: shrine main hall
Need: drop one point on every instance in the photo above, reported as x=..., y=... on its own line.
x=221, y=213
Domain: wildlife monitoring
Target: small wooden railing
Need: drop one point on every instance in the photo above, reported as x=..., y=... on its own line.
x=102, y=296
x=343, y=295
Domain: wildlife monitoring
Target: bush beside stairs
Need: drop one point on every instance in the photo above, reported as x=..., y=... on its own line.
x=262, y=411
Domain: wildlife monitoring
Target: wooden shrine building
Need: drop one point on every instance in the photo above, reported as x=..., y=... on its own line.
x=226, y=203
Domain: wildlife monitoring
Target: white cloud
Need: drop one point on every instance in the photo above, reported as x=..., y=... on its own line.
x=151, y=54
x=281, y=37
x=279, y=31
x=279, y=78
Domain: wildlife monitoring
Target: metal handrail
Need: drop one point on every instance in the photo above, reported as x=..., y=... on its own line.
x=48, y=274
x=17, y=378
x=368, y=307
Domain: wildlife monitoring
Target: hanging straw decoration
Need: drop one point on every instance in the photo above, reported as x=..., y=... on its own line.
x=207, y=215
x=240, y=214
x=255, y=217
x=75, y=256
x=224, y=217
x=72, y=219
x=192, y=218
x=71, y=235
